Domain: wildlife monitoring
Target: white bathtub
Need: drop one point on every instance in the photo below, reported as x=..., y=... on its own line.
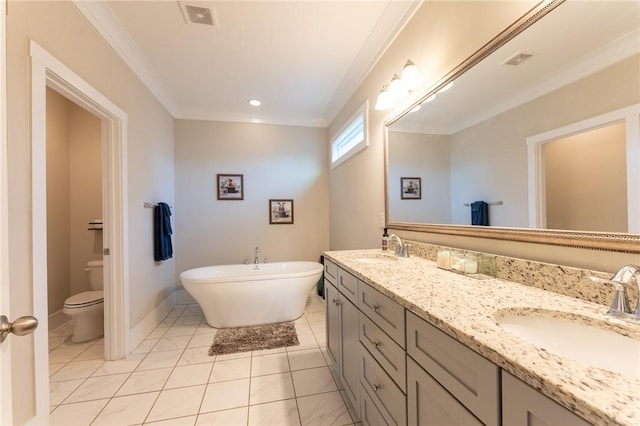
x=241, y=295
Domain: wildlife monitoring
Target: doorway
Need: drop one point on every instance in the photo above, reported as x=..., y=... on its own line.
x=626, y=121
x=47, y=71
x=74, y=202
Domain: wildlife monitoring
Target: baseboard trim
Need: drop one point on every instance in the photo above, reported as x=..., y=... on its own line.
x=138, y=333
x=57, y=319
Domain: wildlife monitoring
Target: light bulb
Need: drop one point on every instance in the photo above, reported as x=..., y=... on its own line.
x=385, y=100
x=396, y=87
x=410, y=75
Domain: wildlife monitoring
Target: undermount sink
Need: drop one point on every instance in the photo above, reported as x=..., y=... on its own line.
x=585, y=343
x=377, y=258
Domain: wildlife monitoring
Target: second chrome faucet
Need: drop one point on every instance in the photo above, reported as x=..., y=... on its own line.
x=621, y=280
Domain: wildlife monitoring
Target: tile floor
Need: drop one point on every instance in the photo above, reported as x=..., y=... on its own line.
x=169, y=379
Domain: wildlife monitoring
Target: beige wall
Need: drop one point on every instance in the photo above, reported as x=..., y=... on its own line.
x=426, y=157
x=86, y=193
x=58, y=205
x=439, y=37
x=59, y=29
x=277, y=162
x=586, y=181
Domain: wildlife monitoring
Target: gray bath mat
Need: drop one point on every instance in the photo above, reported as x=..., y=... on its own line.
x=243, y=339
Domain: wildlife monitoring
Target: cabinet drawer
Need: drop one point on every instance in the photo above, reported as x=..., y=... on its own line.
x=369, y=413
x=469, y=377
x=387, y=352
x=429, y=404
x=389, y=399
x=330, y=271
x=522, y=405
x=384, y=312
x=348, y=285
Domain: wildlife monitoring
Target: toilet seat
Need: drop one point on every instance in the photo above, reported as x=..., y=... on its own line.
x=84, y=299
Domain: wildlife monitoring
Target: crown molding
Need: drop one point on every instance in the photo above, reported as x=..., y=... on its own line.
x=102, y=19
x=208, y=115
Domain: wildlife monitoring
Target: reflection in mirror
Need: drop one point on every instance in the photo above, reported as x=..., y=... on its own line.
x=586, y=181
x=576, y=65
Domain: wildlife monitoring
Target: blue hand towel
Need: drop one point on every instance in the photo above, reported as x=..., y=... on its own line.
x=162, y=248
x=480, y=213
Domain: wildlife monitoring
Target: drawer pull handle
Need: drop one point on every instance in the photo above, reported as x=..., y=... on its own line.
x=336, y=302
x=376, y=308
x=377, y=344
x=376, y=388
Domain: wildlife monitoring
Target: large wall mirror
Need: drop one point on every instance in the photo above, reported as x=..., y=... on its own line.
x=542, y=127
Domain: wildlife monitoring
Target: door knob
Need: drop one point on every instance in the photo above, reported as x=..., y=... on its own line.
x=20, y=327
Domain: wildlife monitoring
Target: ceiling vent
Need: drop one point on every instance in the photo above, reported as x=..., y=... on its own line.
x=518, y=58
x=198, y=13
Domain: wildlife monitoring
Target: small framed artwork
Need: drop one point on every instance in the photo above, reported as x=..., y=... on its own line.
x=230, y=187
x=280, y=212
x=410, y=188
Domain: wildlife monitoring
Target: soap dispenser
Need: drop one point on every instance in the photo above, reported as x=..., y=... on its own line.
x=385, y=240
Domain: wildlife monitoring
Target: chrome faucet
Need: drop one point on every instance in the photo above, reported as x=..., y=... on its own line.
x=402, y=249
x=620, y=280
x=256, y=258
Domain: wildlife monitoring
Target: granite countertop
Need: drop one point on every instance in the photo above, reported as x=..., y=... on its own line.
x=466, y=308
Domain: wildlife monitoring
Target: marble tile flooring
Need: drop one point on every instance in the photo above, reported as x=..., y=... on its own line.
x=169, y=379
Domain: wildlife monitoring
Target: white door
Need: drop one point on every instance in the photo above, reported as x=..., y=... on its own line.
x=5, y=353
x=10, y=328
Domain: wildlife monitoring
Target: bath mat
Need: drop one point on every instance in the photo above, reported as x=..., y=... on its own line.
x=243, y=339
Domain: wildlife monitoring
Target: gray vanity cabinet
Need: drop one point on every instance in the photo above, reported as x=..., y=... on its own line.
x=342, y=322
x=522, y=405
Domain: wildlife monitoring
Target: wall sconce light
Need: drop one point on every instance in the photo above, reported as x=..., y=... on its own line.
x=399, y=87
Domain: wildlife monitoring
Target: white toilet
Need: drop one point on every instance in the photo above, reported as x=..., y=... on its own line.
x=87, y=308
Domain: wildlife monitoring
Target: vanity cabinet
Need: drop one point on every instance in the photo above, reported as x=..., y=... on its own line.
x=522, y=405
x=342, y=322
x=399, y=369
x=467, y=376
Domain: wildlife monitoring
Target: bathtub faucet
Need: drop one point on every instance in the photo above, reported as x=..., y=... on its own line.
x=256, y=259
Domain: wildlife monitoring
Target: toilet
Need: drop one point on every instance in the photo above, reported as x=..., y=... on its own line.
x=87, y=308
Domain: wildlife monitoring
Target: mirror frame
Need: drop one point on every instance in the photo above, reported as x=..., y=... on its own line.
x=617, y=242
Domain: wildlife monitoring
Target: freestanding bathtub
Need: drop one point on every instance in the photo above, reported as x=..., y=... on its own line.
x=242, y=295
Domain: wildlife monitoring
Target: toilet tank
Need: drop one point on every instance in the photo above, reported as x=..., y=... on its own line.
x=96, y=278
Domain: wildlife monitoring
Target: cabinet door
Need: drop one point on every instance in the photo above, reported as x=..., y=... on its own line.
x=333, y=321
x=429, y=404
x=522, y=405
x=351, y=352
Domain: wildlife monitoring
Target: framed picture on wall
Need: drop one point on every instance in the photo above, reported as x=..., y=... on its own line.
x=280, y=212
x=410, y=188
x=230, y=187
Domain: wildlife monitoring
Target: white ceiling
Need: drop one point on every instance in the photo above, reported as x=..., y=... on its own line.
x=302, y=59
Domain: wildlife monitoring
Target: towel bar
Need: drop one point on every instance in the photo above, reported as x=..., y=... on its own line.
x=493, y=203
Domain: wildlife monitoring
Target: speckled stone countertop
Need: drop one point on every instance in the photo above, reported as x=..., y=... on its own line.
x=467, y=308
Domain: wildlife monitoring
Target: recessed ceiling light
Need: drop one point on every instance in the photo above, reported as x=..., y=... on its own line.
x=255, y=102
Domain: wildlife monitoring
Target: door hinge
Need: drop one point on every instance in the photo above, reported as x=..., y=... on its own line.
x=106, y=252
